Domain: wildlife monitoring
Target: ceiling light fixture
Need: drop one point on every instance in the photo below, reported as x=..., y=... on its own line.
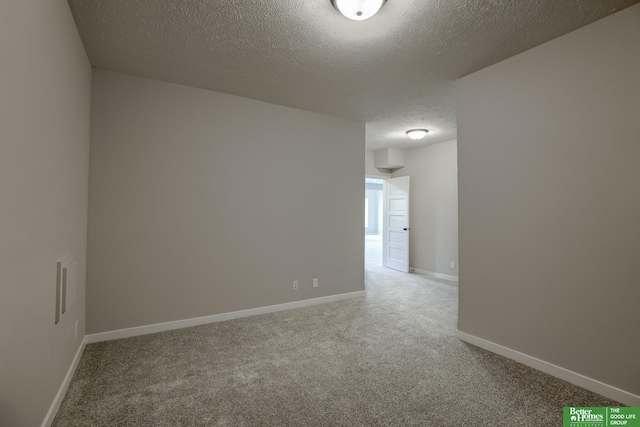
x=417, y=133
x=358, y=10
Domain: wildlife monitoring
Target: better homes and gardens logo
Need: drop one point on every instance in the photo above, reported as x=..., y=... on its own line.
x=581, y=416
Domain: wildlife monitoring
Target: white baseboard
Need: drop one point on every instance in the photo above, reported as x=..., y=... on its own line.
x=433, y=275
x=186, y=323
x=580, y=380
x=53, y=409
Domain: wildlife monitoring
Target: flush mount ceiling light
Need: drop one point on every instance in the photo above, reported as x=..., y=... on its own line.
x=358, y=10
x=417, y=133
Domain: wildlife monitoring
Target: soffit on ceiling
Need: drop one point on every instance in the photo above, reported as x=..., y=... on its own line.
x=394, y=71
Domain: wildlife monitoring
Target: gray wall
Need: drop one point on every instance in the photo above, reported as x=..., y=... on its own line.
x=433, y=211
x=45, y=95
x=549, y=175
x=204, y=203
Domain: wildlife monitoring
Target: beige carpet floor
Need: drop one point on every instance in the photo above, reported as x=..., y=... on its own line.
x=387, y=359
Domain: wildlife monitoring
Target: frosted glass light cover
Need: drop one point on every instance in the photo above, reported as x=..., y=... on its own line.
x=358, y=10
x=417, y=133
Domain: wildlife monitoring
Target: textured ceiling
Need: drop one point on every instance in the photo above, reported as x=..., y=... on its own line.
x=394, y=71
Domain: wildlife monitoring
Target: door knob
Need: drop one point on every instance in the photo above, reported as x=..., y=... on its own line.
x=405, y=229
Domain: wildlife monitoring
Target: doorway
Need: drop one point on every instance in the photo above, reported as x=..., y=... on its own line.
x=373, y=220
x=386, y=222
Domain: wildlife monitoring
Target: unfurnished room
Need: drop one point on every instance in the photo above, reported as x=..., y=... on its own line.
x=319, y=213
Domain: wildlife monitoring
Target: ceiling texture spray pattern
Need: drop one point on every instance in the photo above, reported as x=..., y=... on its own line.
x=394, y=71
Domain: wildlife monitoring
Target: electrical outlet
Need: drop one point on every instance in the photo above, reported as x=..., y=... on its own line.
x=453, y=264
x=76, y=329
x=315, y=283
x=295, y=285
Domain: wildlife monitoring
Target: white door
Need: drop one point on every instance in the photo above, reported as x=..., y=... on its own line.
x=395, y=234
